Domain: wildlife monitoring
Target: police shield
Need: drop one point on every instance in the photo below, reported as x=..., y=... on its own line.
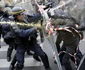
x=55, y=52
x=50, y=39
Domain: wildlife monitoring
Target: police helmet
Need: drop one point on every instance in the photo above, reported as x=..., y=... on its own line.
x=8, y=10
x=1, y=6
x=17, y=10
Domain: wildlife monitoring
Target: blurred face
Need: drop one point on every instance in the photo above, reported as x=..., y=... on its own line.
x=1, y=9
x=20, y=17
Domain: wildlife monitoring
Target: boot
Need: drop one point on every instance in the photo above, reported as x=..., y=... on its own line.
x=19, y=67
x=48, y=69
x=11, y=67
x=8, y=58
x=36, y=57
x=45, y=61
x=9, y=52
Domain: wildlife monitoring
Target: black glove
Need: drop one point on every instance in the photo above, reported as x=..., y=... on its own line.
x=50, y=15
x=32, y=38
x=48, y=5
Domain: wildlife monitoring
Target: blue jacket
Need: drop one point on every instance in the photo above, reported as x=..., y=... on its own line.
x=21, y=32
x=33, y=18
x=26, y=33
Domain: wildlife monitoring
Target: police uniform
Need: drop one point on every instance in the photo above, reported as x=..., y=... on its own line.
x=3, y=17
x=5, y=32
x=23, y=42
x=8, y=39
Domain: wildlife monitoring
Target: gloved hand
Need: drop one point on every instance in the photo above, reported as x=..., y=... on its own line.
x=48, y=5
x=51, y=13
x=33, y=36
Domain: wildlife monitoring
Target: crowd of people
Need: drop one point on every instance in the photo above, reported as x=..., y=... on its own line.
x=25, y=39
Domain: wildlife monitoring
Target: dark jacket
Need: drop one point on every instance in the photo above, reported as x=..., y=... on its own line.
x=21, y=35
x=70, y=39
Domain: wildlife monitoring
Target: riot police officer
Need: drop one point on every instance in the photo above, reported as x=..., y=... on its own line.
x=25, y=20
x=3, y=17
x=23, y=42
x=10, y=42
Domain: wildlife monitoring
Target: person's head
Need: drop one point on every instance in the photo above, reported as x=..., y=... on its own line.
x=7, y=12
x=1, y=8
x=18, y=13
